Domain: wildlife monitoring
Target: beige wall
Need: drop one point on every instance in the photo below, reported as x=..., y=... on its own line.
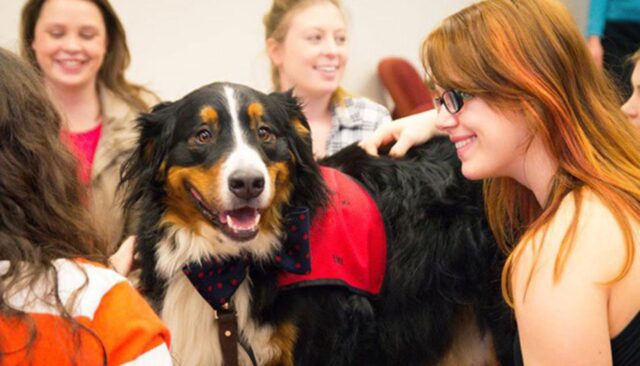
x=580, y=11
x=178, y=45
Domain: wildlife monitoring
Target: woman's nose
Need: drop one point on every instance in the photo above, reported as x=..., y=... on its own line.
x=330, y=46
x=71, y=44
x=445, y=120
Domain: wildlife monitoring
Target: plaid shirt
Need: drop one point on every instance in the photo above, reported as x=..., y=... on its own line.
x=353, y=121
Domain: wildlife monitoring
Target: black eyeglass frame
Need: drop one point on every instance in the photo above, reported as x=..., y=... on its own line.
x=453, y=100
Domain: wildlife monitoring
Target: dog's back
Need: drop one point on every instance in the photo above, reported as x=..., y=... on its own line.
x=441, y=301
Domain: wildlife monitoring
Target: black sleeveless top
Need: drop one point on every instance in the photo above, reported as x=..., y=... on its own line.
x=625, y=347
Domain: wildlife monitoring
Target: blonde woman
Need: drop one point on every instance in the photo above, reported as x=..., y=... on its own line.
x=307, y=45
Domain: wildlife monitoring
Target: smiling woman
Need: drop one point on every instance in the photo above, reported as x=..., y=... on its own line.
x=307, y=45
x=544, y=129
x=80, y=48
x=70, y=43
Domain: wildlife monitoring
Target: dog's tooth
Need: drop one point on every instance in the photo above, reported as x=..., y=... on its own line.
x=233, y=225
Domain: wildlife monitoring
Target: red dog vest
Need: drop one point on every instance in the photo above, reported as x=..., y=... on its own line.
x=347, y=240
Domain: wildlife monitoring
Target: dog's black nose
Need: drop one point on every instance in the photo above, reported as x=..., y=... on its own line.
x=246, y=184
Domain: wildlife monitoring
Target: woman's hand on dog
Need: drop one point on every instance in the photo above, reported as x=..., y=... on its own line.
x=407, y=132
x=122, y=260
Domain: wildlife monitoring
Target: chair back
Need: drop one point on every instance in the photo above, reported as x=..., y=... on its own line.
x=405, y=86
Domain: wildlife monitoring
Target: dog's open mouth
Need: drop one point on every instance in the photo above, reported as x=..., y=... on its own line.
x=242, y=222
x=239, y=224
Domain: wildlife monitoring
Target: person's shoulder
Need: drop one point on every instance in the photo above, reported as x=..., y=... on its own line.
x=366, y=111
x=96, y=268
x=597, y=215
x=364, y=103
x=148, y=97
x=119, y=106
x=591, y=209
x=131, y=331
x=566, y=268
x=90, y=279
x=599, y=242
x=100, y=278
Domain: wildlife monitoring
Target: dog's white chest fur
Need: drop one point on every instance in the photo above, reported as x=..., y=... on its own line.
x=194, y=329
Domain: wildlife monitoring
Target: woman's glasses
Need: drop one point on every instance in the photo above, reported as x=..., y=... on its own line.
x=453, y=100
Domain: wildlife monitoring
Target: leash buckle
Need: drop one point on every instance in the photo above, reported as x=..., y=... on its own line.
x=225, y=309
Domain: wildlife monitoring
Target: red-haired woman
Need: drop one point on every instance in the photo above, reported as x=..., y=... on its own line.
x=528, y=110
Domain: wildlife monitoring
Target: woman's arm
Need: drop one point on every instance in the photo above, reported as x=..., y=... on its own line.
x=407, y=132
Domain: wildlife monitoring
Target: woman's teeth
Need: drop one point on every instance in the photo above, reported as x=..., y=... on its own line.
x=465, y=142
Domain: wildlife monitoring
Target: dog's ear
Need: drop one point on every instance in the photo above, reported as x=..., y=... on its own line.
x=297, y=118
x=297, y=127
x=156, y=132
x=307, y=170
x=146, y=163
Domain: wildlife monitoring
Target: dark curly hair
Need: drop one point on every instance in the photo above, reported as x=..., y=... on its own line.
x=42, y=211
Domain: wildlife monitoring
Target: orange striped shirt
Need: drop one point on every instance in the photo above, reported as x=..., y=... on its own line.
x=125, y=328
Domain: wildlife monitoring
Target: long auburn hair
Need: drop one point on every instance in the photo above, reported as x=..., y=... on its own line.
x=528, y=55
x=276, y=26
x=42, y=215
x=116, y=60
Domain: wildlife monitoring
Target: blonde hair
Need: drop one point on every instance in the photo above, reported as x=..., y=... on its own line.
x=529, y=55
x=117, y=57
x=276, y=25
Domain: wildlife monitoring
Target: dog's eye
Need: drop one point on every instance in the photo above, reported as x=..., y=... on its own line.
x=265, y=134
x=203, y=136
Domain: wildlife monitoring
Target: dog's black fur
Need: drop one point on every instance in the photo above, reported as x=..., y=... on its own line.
x=443, y=264
x=442, y=279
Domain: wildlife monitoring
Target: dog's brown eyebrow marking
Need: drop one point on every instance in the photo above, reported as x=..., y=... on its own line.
x=255, y=110
x=208, y=114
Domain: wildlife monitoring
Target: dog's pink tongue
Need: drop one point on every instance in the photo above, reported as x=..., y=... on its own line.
x=245, y=218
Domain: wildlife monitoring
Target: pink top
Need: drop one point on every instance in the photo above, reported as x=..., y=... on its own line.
x=83, y=145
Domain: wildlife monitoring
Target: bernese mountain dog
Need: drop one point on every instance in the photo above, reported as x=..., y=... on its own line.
x=254, y=254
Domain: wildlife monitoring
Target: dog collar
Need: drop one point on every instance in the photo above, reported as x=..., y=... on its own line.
x=216, y=280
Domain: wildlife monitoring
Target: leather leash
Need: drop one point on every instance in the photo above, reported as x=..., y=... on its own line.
x=228, y=336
